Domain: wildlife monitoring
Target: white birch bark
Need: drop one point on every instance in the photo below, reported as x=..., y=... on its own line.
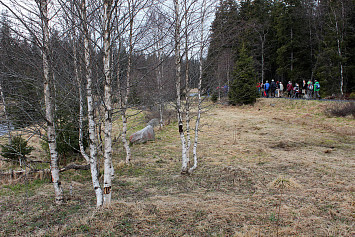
x=51, y=133
x=108, y=167
x=184, y=168
x=91, y=117
x=128, y=78
x=262, y=38
x=187, y=89
x=9, y=125
x=340, y=56
x=202, y=44
x=160, y=88
x=81, y=102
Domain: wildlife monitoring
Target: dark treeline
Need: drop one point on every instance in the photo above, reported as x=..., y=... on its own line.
x=22, y=79
x=289, y=40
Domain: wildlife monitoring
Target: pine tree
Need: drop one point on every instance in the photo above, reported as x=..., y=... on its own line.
x=243, y=88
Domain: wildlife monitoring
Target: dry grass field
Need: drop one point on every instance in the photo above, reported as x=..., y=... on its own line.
x=280, y=168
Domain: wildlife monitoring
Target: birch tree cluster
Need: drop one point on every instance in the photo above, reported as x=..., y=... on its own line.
x=69, y=69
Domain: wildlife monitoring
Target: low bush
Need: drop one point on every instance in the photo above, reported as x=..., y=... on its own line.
x=341, y=110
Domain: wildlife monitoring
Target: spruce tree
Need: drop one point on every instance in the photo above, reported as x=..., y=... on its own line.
x=243, y=88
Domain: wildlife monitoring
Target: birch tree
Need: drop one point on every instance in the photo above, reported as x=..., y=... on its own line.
x=90, y=102
x=48, y=95
x=109, y=172
x=203, y=40
x=177, y=49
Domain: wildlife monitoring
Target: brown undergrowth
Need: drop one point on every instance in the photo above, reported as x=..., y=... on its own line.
x=242, y=151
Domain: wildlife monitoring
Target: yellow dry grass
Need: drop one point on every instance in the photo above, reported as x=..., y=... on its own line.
x=244, y=152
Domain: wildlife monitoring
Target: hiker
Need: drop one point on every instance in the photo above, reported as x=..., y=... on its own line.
x=316, y=89
x=304, y=88
x=309, y=89
x=262, y=90
x=296, y=90
x=267, y=89
x=289, y=89
x=258, y=85
x=281, y=90
x=273, y=88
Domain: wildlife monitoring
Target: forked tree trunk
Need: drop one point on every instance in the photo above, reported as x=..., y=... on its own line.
x=51, y=133
x=194, y=152
x=108, y=167
x=91, y=117
x=184, y=168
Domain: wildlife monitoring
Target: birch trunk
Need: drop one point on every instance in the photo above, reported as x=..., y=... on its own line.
x=128, y=78
x=262, y=58
x=194, y=152
x=340, y=56
x=178, y=87
x=9, y=125
x=187, y=90
x=51, y=133
x=91, y=118
x=160, y=89
x=81, y=102
x=108, y=167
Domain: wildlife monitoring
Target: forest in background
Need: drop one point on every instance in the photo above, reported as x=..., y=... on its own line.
x=289, y=40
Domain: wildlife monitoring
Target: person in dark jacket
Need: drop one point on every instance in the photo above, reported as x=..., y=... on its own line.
x=289, y=89
x=273, y=88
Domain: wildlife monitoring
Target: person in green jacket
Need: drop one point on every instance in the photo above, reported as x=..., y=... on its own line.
x=316, y=89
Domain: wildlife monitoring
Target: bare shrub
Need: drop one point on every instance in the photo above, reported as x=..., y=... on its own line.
x=341, y=110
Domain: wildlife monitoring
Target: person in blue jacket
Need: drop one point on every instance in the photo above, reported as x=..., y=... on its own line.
x=267, y=89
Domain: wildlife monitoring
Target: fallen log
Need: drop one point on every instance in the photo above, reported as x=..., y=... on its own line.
x=15, y=176
x=75, y=167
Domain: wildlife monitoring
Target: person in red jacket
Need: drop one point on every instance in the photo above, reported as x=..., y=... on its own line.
x=289, y=89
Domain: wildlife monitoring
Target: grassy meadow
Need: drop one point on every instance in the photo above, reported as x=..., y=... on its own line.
x=280, y=167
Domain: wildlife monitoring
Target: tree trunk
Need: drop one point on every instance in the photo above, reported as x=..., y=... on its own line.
x=340, y=56
x=125, y=102
x=51, y=133
x=178, y=87
x=194, y=152
x=91, y=117
x=108, y=104
x=81, y=103
x=262, y=58
x=187, y=90
x=9, y=125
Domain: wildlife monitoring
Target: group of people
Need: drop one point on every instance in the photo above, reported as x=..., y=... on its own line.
x=276, y=89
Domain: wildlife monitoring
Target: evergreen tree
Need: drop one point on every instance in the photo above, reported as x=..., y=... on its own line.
x=225, y=38
x=243, y=88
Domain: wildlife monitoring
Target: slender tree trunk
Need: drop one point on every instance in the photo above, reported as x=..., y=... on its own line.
x=108, y=103
x=9, y=125
x=340, y=56
x=81, y=100
x=160, y=89
x=291, y=49
x=91, y=116
x=128, y=78
x=187, y=89
x=194, y=152
x=178, y=88
x=51, y=133
x=262, y=59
